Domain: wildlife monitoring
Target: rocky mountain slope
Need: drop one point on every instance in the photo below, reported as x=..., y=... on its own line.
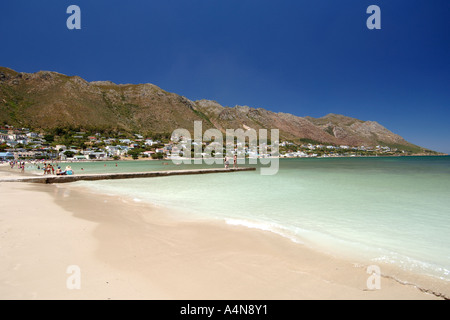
x=46, y=100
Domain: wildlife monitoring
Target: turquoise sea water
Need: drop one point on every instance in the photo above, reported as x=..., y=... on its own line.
x=394, y=210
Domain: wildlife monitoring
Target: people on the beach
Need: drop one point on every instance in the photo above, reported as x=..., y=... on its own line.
x=235, y=161
x=69, y=171
x=59, y=171
x=47, y=168
x=226, y=162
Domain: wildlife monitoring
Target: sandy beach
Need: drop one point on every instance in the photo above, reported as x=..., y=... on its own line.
x=129, y=250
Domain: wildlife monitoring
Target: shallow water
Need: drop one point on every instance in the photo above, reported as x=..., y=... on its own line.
x=395, y=210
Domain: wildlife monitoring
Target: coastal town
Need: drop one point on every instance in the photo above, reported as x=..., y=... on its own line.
x=71, y=145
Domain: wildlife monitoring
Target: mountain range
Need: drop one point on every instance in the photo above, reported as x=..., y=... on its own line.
x=46, y=100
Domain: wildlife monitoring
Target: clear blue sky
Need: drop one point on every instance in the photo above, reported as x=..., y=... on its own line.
x=300, y=57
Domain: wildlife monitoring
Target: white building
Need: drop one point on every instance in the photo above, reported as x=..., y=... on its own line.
x=63, y=157
x=116, y=150
x=32, y=135
x=97, y=155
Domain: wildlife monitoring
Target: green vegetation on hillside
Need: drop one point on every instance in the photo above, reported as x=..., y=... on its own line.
x=59, y=105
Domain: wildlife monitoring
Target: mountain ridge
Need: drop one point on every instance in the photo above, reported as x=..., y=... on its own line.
x=46, y=100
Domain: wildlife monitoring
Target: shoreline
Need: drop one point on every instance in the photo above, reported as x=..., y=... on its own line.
x=168, y=159
x=429, y=284
x=129, y=250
